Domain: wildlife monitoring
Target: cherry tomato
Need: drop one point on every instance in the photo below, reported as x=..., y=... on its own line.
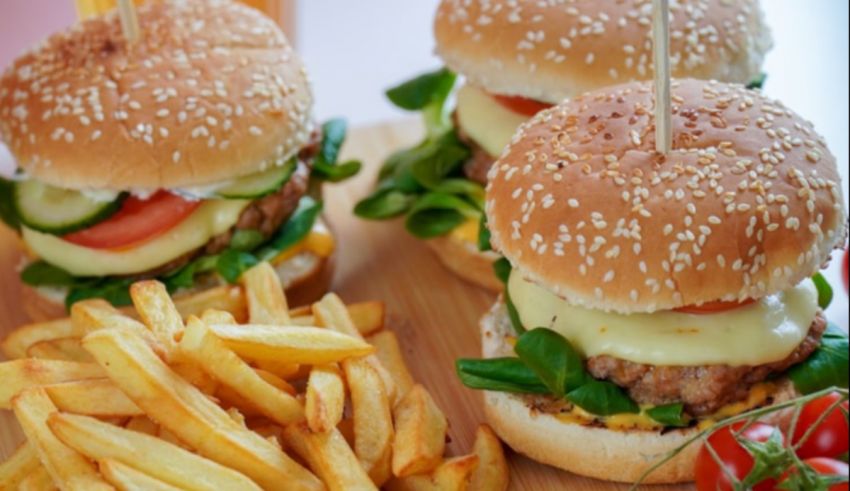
x=714, y=307
x=825, y=467
x=736, y=459
x=521, y=105
x=846, y=271
x=137, y=221
x=830, y=438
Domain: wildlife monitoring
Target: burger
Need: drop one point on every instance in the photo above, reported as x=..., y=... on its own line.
x=649, y=296
x=521, y=56
x=186, y=156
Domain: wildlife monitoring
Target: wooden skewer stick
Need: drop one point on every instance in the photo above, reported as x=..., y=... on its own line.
x=129, y=20
x=661, y=52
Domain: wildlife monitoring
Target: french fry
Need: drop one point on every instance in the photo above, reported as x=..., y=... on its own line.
x=420, y=433
x=69, y=349
x=203, y=348
x=95, y=397
x=330, y=312
x=17, y=343
x=389, y=353
x=325, y=399
x=302, y=345
x=227, y=298
x=276, y=382
x=161, y=460
x=170, y=437
x=196, y=376
x=17, y=375
x=142, y=424
x=368, y=317
x=158, y=312
x=212, y=316
x=125, y=478
x=23, y=462
x=96, y=314
x=188, y=413
x=492, y=473
x=68, y=469
x=264, y=295
x=452, y=475
x=373, y=422
x=330, y=457
x=278, y=368
x=37, y=480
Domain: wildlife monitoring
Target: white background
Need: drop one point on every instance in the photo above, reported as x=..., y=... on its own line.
x=355, y=49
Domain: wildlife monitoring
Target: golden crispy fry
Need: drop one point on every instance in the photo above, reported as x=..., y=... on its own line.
x=367, y=317
x=207, y=351
x=95, y=397
x=264, y=294
x=280, y=369
x=17, y=343
x=68, y=469
x=125, y=478
x=420, y=437
x=188, y=413
x=171, y=438
x=492, y=473
x=452, y=475
x=227, y=298
x=69, y=349
x=162, y=460
x=96, y=314
x=389, y=353
x=196, y=376
x=19, y=374
x=158, y=312
x=212, y=316
x=330, y=312
x=330, y=457
x=373, y=422
x=37, y=480
x=276, y=382
x=142, y=424
x=307, y=345
x=325, y=399
x=19, y=466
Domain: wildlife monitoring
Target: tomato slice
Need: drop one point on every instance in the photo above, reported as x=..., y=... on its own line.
x=138, y=221
x=714, y=307
x=521, y=105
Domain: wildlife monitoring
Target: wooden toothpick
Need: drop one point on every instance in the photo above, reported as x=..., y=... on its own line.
x=661, y=52
x=129, y=20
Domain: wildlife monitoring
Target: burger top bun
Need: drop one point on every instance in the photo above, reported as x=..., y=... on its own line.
x=551, y=50
x=747, y=204
x=211, y=92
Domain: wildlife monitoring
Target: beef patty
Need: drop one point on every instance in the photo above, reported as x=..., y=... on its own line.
x=478, y=165
x=703, y=389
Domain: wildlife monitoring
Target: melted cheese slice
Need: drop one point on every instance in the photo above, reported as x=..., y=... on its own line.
x=764, y=332
x=210, y=219
x=489, y=123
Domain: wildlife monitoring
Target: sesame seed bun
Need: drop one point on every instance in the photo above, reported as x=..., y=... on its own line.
x=592, y=451
x=213, y=91
x=552, y=50
x=748, y=203
x=305, y=277
x=467, y=261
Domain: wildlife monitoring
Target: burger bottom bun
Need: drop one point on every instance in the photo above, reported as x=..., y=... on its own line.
x=465, y=260
x=305, y=277
x=600, y=453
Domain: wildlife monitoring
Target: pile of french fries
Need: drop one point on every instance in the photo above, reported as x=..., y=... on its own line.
x=182, y=394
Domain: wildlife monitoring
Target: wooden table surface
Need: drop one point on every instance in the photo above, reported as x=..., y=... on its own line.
x=434, y=314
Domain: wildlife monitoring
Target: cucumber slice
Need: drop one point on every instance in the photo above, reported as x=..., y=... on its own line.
x=261, y=184
x=60, y=211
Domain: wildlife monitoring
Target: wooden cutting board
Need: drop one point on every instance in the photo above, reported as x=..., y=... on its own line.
x=434, y=314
